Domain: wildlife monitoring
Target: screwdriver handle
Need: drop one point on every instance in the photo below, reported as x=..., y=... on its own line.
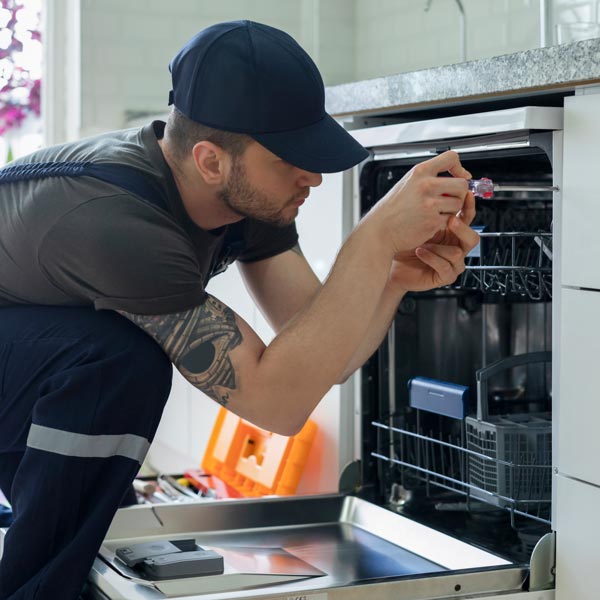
x=481, y=188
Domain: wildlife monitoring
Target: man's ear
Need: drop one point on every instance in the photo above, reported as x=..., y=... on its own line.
x=211, y=162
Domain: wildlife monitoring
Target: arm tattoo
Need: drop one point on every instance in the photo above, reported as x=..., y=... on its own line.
x=297, y=250
x=198, y=341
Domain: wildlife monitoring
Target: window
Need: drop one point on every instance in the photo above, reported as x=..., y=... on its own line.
x=20, y=78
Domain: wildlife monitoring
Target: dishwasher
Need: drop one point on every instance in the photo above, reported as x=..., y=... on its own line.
x=452, y=496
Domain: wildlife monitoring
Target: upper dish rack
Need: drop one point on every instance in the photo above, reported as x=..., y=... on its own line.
x=514, y=255
x=511, y=263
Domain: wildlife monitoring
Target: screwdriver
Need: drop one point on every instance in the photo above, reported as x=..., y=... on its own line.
x=485, y=188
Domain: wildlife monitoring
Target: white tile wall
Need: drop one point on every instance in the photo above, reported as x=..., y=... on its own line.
x=570, y=11
x=397, y=36
x=127, y=44
x=334, y=52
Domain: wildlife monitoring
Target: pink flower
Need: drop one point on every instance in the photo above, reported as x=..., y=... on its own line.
x=15, y=107
x=11, y=117
x=35, y=97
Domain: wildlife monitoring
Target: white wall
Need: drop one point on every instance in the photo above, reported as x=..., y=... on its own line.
x=394, y=36
x=126, y=46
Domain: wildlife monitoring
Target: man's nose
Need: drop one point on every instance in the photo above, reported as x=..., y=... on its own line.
x=309, y=179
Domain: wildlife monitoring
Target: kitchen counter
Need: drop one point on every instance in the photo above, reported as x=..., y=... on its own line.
x=531, y=71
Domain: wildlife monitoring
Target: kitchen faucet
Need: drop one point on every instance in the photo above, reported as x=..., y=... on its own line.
x=463, y=27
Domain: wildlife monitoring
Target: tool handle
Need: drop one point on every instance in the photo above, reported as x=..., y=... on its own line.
x=147, y=488
x=482, y=188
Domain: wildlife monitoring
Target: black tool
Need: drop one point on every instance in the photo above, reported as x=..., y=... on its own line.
x=169, y=559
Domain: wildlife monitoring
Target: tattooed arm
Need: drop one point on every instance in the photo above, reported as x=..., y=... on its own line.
x=201, y=343
x=278, y=386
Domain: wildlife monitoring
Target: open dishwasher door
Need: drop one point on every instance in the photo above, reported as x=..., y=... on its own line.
x=318, y=548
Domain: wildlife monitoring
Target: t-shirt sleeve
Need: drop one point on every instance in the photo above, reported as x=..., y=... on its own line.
x=263, y=240
x=119, y=253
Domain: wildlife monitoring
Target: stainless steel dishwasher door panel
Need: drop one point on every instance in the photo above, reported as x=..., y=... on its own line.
x=357, y=546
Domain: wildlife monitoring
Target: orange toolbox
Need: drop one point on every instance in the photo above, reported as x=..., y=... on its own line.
x=242, y=460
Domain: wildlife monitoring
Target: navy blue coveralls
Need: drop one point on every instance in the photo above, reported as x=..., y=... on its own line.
x=81, y=396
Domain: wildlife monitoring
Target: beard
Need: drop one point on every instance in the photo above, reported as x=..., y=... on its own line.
x=246, y=201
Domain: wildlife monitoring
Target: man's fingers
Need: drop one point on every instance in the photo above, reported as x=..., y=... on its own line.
x=467, y=238
x=450, y=186
x=445, y=162
x=460, y=171
x=468, y=209
x=433, y=256
x=453, y=255
x=451, y=194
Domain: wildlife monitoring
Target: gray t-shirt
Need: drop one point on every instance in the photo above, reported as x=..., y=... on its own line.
x=76, y=241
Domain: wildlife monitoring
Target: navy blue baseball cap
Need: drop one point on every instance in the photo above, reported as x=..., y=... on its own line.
x=249, y=78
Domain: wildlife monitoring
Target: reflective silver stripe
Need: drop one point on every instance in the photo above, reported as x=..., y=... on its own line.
x=87, y=446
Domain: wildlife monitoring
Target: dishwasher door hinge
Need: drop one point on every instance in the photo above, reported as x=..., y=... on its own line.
x=542, y=570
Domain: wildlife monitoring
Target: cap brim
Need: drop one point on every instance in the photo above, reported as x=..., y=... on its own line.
x=323, y=147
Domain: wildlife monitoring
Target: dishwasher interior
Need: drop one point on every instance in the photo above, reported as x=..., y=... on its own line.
x=457, y=403
x=452, y=495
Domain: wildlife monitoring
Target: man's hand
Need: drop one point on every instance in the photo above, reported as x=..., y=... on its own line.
x=441, y=259
x=418, y=206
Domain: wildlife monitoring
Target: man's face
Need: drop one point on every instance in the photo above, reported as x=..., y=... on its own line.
x=264, y=187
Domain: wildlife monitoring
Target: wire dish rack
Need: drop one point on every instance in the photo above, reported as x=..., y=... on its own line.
x=514, y=256
x=522, y=476
x=504, y=461
x=511, y=263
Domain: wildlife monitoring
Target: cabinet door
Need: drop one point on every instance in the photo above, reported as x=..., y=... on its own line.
x=577, y=534
x=580, y=192
x=579, y=413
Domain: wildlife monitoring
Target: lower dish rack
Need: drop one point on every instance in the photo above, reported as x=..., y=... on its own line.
x=501, y=460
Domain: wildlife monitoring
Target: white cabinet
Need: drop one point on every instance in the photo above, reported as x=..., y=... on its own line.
x=577, y=495
x=579, y=414
x=581, y=194
x=579, y=343
x=578, y=532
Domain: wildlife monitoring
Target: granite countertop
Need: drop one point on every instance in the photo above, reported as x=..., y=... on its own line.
x=554, y=67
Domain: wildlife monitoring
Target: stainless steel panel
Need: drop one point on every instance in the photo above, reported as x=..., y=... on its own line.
x=444, y=587
x=353, y=542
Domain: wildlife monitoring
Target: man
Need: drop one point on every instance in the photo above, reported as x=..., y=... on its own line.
x=135, y=223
